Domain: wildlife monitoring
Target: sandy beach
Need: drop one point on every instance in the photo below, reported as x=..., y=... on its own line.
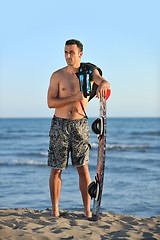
x=27, y=224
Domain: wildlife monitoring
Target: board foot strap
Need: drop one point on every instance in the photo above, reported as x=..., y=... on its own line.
x=94, y=188
x=97, y=126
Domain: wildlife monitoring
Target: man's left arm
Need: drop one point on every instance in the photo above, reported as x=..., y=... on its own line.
x=102, y=83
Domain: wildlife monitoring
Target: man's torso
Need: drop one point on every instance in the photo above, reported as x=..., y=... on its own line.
x=69, y=85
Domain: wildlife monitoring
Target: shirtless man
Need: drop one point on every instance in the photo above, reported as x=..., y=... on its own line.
x=69, y=128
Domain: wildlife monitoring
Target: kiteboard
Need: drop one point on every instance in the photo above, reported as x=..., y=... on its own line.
x=95, y=188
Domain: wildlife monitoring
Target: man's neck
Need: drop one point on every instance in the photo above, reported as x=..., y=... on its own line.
x=73, y=69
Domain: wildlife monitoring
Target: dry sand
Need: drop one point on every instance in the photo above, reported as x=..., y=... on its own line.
x=27, y=224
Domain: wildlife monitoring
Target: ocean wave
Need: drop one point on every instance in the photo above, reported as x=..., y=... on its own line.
x=23, y=162
x=121, y=147
x=124, y=147
x=45, y=153
x=147, y=133
x=22, y=135
x=26, y=153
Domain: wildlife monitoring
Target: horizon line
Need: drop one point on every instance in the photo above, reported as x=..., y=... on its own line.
x=49, y=117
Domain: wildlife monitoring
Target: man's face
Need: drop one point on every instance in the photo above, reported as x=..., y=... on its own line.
x=72, y=55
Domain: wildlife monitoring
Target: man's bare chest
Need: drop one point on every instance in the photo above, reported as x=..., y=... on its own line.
x=69, y=84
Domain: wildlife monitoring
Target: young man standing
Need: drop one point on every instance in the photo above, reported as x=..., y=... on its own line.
x=69, y=128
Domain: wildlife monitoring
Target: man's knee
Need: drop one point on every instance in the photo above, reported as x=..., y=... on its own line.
x=83, y=170
x=55, y=173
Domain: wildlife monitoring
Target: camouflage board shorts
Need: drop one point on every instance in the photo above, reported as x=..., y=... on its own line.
x=68, y=135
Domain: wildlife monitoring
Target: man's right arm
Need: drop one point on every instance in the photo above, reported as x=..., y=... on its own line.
x=53, y=91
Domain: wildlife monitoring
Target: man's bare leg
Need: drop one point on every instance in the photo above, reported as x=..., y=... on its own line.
x=55, y=183
x=84, y=181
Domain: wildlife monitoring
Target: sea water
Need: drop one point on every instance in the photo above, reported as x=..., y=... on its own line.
x=132, y=172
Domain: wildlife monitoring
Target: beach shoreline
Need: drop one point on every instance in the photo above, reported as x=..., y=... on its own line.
x=28, y=224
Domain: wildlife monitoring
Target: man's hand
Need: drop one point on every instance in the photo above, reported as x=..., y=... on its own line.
x=102, y=90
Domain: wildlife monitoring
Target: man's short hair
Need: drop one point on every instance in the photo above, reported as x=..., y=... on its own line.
x=74, y=41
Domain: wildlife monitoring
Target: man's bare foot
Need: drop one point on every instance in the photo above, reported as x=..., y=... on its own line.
x=55, y=213
x=88, y=214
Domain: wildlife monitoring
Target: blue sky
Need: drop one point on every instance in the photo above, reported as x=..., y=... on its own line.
x=122, y=37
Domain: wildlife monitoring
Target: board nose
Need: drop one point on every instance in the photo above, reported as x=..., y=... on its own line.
x=108, y=93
